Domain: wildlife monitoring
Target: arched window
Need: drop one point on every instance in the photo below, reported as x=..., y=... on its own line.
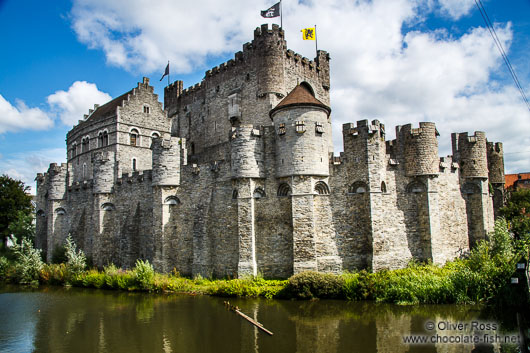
x=84, y=170
x=172, y=200
x=258, y=193
x=100, y=139
x=74, y=149
x=416, y=187
x=383, y=187
x=105, y=138
x=154, y=135
x=322, y=188
x=107, y=206
x=284, y=189
x=134, y=164
x=134, y=137
x=60, y=211
x=235, y=194
x=359, y=187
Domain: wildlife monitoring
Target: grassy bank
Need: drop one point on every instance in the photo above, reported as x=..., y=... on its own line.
x=480, y=277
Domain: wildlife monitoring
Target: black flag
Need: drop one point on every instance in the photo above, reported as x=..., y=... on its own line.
x=273, y=11
x=165, y=72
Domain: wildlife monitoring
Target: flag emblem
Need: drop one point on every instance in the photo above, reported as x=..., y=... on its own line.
x=308, y=33
x=273, y=11
x=166, y=72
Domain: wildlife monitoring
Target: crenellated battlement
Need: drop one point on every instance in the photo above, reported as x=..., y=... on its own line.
x=364, y=129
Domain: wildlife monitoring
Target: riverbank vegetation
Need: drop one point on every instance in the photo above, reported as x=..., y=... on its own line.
x=478, y=277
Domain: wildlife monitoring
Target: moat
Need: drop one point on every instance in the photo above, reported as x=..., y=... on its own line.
x=56, y=319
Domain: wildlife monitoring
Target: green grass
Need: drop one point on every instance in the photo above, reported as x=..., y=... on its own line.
x=482, y=277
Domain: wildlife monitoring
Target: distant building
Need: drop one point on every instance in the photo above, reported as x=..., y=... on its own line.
x=236, y=175
x=517, y=181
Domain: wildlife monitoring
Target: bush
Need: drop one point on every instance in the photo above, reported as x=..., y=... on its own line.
x=75, y=259
x=28, y=262
x=144, y=274
x=59, y=255
x=4, y=266
x=307, y=285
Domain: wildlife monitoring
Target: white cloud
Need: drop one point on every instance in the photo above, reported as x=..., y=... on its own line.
x=71, y=105
x=378, y=70
x=25, y=166
x=456, y=8
x=20, y=117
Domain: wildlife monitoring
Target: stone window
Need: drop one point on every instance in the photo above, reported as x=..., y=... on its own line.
x=154, y=135
x=107, y=206
x=84, y=170
x=172, y=201
x=258, y=193
x=319, y=128
x=383, y=187
x=235, y=194
x=281, y=129
x=134, y=137
x=146, y=109
x=60, y=211
x=416, y=187
x=359, y=187
x=284, y=189
x=103, y=138
x=74, y=149
x=84, y=144
x=134, y=164
x=322, y=188
x=300, y=126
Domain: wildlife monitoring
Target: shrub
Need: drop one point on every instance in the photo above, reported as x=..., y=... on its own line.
x=307, y=285
x=144, y=274
x=28, y=262
x=75, y=259
x=4, y=266
x=59, y=255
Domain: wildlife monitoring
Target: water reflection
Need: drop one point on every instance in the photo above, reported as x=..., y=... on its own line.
x=106, y=321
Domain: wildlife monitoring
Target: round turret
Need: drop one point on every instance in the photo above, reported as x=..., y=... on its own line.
x=420, y=149
x=57, y=181
x=495, y=163
x=471, y=153
x=103, y=172
x=247, y=152
x=166, y=161
x=302, y=128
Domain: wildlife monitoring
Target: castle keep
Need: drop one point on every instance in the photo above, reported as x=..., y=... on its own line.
x=236, y=175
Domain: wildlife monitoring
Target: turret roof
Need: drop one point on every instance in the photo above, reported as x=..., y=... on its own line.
x=299, y=96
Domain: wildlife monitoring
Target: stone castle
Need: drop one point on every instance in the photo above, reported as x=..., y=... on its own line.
x=236, y=175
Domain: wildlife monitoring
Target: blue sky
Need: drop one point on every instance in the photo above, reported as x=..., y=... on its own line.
x=399, y=61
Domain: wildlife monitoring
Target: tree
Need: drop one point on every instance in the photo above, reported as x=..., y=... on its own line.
x=517, y=212
x=15, y=201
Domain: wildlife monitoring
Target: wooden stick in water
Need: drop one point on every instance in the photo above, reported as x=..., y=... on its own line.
x=249, y=319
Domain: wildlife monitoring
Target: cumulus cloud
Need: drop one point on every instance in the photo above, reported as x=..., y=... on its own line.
x=71, y=105
x=20, y=117
x=456, y=8
x=25, y=166
x=383, y=66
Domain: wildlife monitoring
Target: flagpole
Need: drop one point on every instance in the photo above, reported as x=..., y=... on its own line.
x=281, y=14
x=168, y=73
x=316, y=41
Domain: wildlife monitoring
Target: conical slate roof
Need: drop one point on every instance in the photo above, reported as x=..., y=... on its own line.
x=299, y=97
